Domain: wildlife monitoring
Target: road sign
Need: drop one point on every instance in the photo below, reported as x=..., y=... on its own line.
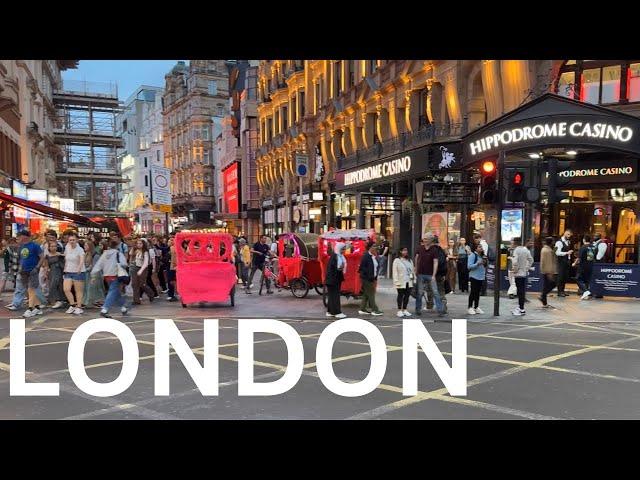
x=302, y=164
x=160, y=186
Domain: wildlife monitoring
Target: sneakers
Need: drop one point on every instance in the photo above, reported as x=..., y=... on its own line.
x=329, y=314
x=517, y=312
x=364, y=312
x=37, y=311
x=479, y=310
x=57, y=305
x=124, y=310
x=71, y=309
x=29, y=313
x=341, y=315
x=165, y=291
x=377, y=314
x=406, y=313
x=400, y=313
x=471, y=311
x=11, y=307
x=78, y=311
x=105, y=314
x=585, y=295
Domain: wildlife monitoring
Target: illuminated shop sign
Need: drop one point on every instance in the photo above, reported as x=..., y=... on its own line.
x=381, y=170
x=594, y=172
x=555, y=130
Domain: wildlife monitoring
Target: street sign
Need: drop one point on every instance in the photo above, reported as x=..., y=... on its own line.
x=160, y=186
x=302, y=164
x=440, y=192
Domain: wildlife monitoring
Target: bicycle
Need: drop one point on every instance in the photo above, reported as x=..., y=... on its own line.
x=268, y=274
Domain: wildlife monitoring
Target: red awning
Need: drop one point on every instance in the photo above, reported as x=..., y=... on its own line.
x=122, y=224
x=45, y=210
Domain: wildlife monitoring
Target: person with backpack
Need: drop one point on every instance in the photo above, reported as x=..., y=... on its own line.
x=521, y=262
x=427, y=265
x=584, y=262
x=111, y=266
x=477, y=265
x=604, y=251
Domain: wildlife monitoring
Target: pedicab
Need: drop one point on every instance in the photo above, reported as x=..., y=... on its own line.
x=205, y=270
x=356, y=241
x=298, y=265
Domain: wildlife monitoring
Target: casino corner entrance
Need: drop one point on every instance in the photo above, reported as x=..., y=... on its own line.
x=596, y=150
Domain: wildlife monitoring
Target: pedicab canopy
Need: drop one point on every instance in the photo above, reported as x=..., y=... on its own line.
x=349, y=235
x=304, y=245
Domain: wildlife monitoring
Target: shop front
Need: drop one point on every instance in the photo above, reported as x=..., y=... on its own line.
x=395, y=196
x=597, y=150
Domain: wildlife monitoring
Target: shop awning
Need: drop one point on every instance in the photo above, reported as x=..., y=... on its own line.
x=123, y=225
x=45, y=210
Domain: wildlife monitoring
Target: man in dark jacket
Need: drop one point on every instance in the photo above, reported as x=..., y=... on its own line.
x=369, y=275
x=335, y=276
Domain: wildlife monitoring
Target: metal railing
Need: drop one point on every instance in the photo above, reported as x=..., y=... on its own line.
x=430, y=133
x=90, y=89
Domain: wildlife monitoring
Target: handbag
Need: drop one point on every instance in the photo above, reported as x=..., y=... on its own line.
x=123, y=275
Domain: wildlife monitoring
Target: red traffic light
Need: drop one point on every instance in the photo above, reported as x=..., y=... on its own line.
x=488, y=167
x=518, y=178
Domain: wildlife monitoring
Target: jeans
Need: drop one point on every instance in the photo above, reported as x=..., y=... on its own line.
x=114, y=296
x=428, y=279
x=521, y=285
x=20, y=293
x=548, y=284
x=403, y=297
x=584, y=279
x=474, y=295
x=253, y=272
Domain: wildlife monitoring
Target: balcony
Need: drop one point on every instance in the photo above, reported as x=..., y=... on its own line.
x=427, y=134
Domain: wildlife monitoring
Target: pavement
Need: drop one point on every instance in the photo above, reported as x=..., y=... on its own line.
x=580, y=360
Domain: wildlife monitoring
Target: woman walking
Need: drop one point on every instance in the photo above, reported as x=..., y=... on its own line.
x=463, y=269
x=107, y=267
x=140, y=262
x=477, y=270
x=335, y=276
x=54, y=268
x=74, y=274
x=452, y=260
x=403, y=279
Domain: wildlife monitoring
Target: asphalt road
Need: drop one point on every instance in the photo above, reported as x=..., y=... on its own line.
x=579, y=361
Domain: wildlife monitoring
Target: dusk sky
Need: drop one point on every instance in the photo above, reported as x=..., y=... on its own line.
x=128, y=74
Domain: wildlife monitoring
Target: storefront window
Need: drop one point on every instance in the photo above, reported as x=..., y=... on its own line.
x=633, y=82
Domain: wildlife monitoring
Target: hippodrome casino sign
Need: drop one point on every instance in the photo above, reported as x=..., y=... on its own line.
x=168, y=336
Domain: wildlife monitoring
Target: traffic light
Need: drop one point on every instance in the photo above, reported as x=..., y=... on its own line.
x=556, y=180
x=488, y=183
x=516, y=189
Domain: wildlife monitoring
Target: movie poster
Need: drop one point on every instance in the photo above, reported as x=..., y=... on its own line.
x=435, y=223
x=511, y=224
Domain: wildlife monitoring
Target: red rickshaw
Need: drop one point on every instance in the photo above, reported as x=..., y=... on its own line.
x=298, y=265
x=205, y=270
x=356, y=241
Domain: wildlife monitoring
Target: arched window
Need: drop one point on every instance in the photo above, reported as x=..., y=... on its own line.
x=600, y=82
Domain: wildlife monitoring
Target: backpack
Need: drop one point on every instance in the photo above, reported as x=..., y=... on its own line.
x=442, y=262
x=591, y=254
x=609, y=256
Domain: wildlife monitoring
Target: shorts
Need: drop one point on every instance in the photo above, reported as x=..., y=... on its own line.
x=78, y=277
x=31, y=279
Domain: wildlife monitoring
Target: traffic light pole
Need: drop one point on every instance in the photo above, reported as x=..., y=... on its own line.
x=499, y=205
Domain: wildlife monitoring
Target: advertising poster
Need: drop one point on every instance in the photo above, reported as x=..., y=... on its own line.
x=511, y=224
x=613, y=280
x=435, y=223
x=230, y=178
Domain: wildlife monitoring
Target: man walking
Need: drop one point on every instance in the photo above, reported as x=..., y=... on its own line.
x=30, y=257
x=260, y=252
x=563, y=252
x=522, y=263
x=369, y=275
x=584, y=262
x=426, y=268
x=548, y=269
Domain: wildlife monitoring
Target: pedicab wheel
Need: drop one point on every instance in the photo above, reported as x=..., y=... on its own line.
x=232, y=294
x=325, y=298
x=318, y=289
x=299, y=287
